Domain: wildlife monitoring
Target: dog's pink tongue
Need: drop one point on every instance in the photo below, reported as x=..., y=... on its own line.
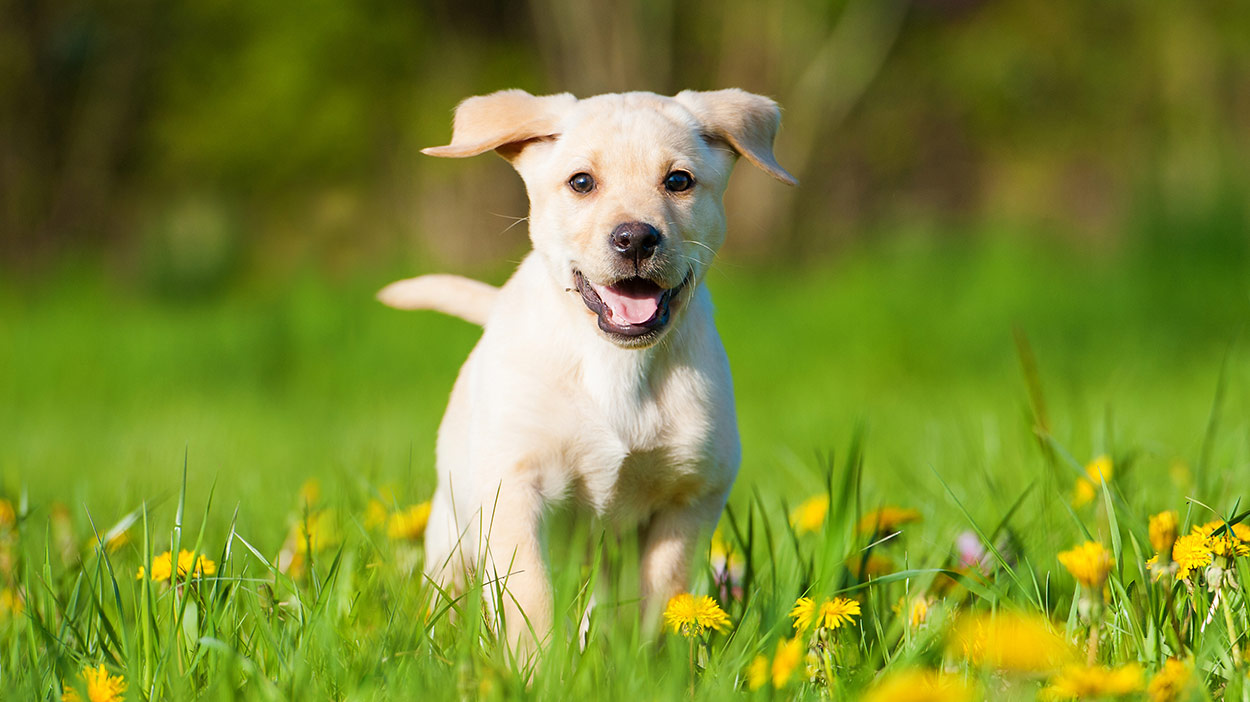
x=630, y=306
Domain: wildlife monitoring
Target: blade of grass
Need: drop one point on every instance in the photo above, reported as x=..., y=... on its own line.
x=998, y=556
x=1212, y=428
x=1033, y=385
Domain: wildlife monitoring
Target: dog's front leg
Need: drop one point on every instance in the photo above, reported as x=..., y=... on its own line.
x=516, y=575
x=671, y=538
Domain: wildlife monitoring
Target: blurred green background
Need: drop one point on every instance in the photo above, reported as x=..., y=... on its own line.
x=190, y=145
x=198, y=199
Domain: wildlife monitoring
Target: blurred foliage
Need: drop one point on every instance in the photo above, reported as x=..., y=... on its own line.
x=104, y=389
x=192, y=142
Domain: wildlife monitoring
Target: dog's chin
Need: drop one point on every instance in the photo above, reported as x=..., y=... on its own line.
x=632, y=312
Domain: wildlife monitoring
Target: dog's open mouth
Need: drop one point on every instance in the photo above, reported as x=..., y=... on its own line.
x=632, y=307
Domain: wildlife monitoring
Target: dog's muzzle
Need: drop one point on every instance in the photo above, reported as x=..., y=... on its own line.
x=631, y=308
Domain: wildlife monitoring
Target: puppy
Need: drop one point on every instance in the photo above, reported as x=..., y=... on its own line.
x=599, y=375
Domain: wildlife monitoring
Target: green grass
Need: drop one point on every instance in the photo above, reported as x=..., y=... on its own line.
x=106, y=393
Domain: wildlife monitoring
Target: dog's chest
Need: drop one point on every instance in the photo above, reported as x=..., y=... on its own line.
x=647, y=443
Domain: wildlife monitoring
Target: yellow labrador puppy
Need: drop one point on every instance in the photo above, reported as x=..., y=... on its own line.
x=600, y=376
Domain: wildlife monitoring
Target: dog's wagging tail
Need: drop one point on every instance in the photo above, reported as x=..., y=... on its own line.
x=468, y=299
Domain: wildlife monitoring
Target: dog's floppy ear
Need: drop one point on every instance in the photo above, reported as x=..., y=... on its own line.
x=747, y=122
x=503, y=121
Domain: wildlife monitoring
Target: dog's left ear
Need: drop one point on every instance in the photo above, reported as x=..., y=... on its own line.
x=747, y=122
x=504, y=121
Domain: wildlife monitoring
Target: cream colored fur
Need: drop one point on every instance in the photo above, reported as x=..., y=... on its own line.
x=468, y=299
x=548, y=407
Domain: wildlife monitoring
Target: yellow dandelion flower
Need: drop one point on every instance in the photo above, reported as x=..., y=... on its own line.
x=690, y=616
x=1089, y=563
x=1082, y=493
x=837, y=612
x=789, y=655
x=886, y=520
x=1010, y=641
x=113, y=540
x=315, y=529
x=113, y=543
x=874, y=566
x=375, y=514
x=11, y=605
x=1227, y=545
x=758, y=672
x=1098, y=471
x=8, y=517
x=1171, y=680
x=1163, y=530
x=831, y=614
x=810, y=514
x=1157, y=570
x=409, y=524
x=188, y=562
x=1182, y=477
x=101, y=687
x=292, y=563
x=162, y=566
x=803, y=612
x=918, y=613
x=919, y=686
x=1191, y=552
x=1241, y=531
x=915, y=610
x=1080, y=681
x=310, y=492
x=320, y=530
x=1208, y=528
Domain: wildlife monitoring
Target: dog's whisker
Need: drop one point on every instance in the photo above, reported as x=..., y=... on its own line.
x=508, y=216
x=693, y=256
x=693, y=259
x=515, y=221
x=700, y=243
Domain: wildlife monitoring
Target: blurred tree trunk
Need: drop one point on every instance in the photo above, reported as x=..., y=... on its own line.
x=592, y=48
x=70, y=109
x=819, y=98
x=816, y=59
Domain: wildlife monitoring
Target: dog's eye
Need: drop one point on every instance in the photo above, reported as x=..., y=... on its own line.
x=678, y=182
x=582, y=183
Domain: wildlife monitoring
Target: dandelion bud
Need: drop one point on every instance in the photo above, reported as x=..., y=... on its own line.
x=1163, y=531
x=1215, y=576
x=1083, y=609
x=1089, y=563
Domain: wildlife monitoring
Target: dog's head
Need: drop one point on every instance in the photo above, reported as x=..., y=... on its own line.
x=625, y=189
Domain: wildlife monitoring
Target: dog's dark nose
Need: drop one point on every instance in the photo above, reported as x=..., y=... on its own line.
x=636, y=240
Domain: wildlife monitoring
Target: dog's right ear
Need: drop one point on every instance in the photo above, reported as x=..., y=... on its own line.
x=504, y=121
x=747, y=122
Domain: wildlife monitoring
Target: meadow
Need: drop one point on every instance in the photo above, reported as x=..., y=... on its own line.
x=282, y=434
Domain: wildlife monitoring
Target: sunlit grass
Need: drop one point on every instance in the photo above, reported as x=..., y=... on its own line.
x=352, y=618
x=982, y=516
